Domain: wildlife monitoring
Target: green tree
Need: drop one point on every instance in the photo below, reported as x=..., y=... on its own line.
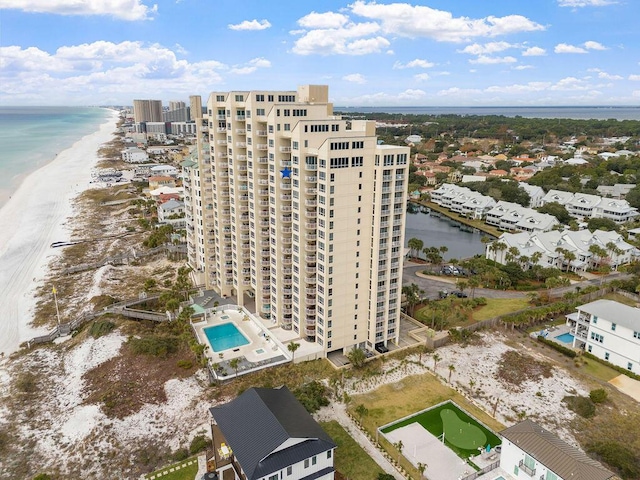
x=357, y=357
x=436, y=359
x=415, y=246
x=399, y=446
x=292, y=347
x=413, y=295
x=452, y=369
x=557, y=210
x=235, y=363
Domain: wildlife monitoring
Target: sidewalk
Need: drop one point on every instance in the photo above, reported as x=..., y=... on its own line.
x=338, y=412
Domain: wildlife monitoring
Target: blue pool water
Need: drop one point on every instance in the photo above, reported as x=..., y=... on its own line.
x=499, y=478
x=565, y=338
x=225, y=336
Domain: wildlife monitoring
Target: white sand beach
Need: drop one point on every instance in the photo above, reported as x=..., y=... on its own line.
x=34, y=217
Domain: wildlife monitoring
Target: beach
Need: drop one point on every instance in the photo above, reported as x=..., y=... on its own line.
x=37, y=214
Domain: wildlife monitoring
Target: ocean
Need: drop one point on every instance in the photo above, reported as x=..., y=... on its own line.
x=30, y=137
x=577, y=113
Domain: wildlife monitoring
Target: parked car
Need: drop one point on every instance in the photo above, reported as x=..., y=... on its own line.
x=380, y=347
x=459, y=294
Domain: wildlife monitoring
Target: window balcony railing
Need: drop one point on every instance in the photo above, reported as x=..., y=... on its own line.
x=529, y=471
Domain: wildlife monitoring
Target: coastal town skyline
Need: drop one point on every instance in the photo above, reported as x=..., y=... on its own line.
x=553, y=52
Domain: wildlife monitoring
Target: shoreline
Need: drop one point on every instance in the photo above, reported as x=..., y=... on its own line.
x=483, y=227
x=38, y=213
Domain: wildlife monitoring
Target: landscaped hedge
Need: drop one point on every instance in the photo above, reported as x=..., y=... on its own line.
x=611, y=365
x=533, y=316
x=556, y=346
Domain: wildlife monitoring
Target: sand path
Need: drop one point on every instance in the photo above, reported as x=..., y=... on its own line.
x=30, y=221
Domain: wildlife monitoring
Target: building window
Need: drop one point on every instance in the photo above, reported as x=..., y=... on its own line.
x=314, y=460
x=289, y=470
x=329, y=454
x=594, y=319
x=613, y=327
x=606, y=356
x=636, y=334
x=273, y=477
x=590, y=348
x=306, y=463
x=529, y=462
x=629, y=366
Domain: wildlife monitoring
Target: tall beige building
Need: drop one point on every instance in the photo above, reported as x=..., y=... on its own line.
x=299, y=215
x=147, y=111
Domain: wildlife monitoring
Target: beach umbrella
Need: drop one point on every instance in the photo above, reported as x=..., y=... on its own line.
x=488, y=447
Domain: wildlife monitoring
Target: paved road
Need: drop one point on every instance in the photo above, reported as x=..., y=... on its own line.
x=433, y=285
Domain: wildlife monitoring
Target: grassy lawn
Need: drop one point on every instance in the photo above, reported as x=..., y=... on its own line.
x=598, y=370
x=351, y=460
x=186, y=473
x=463, y=434
x=499, y=306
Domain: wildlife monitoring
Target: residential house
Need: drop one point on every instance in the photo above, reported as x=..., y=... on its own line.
x=617, y=210
x=536, y=194
x=164, y=170
x=498, y=173
x=156, y=181
x=531, y=452
x=172, y=208
x=610, y=331
x=584, y=206
x=473, y=178
x=617, y=191
x=134, y=155
x=557, y=196
x=266, y=434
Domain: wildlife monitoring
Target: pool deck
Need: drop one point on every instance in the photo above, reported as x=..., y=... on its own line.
x=262, y=350
x=551, y=332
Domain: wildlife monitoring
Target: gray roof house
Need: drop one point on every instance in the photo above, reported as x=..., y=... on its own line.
x=267, y=434
x=530, y=451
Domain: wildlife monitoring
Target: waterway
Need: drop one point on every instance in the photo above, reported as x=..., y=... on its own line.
x=435, y=231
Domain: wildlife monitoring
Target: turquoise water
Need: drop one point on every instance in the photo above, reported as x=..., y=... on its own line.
x=565, y=338
x=225, y=336
x=30, y=137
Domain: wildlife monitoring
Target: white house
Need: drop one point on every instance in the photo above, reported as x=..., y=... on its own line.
x=164, y=170
x=266, y=434
x=536, y=194
x=584, y=206
x=134, y=155
x=172, y=208
x=610, y=331
x=531, y=452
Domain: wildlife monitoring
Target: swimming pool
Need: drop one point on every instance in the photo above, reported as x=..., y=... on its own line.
x=565, y=338
x=225, y=336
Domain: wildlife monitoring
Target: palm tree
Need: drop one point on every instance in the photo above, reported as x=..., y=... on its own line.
x=235, y=363
x=361, y=411
x=535, y=257
x=292, y=347
x=399, y=446
x=415, y=245
x=421, y=468
x=436, y=359
x=413, y=295
x=443, y=249
x=452, y=369
x=462, y=285
x=598, y=253
x=474, y=282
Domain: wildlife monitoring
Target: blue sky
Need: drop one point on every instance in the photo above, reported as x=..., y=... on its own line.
x=427, y=52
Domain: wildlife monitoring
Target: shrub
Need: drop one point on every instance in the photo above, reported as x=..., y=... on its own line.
x=26, y=382
x=198, y=444
x=186, y=364
x=598, y=395
x=154, y=345
x=583, y=406
x=617, y=456
x=312, y=396
x=180, y=454
x=100, y=328
x=42, y=476
x=556, y=346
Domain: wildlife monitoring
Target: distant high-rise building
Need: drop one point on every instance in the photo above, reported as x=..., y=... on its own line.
x=195, y=107
x=299, y=214
x=178, y=115
x=175, y=105
x=147, y=111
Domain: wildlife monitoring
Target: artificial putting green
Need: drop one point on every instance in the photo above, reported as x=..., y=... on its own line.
x=462, y=433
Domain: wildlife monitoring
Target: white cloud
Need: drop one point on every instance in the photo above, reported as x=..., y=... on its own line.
x=585, y=3
x=350, y=39
x=121, y=9
x=417, y=63
x=250, y=25
x=422, y=77
x=523, y=67
x=487, y=60
x=355, y=78
x=566, y=48
x=634, y=78
x=534, y=52
x=251, y=66
x=408, y=20
x=604, y=75
x=487, y=48
x=591, y=45
x=105, y=72
x=323, y=20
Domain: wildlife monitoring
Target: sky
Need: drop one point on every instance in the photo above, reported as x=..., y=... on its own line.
x=370, y=53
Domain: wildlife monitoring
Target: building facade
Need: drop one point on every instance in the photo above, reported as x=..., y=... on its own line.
x=610, y=331
x=147, y=111
x=301, y=215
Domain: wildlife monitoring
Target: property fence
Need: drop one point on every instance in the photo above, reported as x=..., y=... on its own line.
x=482, y=471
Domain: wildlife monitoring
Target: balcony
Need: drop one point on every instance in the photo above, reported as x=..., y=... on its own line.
x=241, y=131
x=310, y=258
x=311, y=191
x=284, y=229
x=285, y=186
x=286, y=260
x=285, y=218
x=221, y=129
x=287, y=281
x=311, y=270
x=311, y=300
x=285, y=149
x=311, y=214
x=310, y=291
x=262, y=160
x=310, y=280
x=221, y=142
x=310, y=225
x=285, y=197
x=263, y=191
x=311, y=247
x=310, y=178
x=310, y=332
x=310, y=203
x=529, y=471
x=261, y=133
x=262, y=147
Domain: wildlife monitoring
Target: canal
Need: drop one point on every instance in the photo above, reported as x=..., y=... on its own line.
x=436, y=230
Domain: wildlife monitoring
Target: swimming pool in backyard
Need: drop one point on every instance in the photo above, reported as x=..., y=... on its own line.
x=224, y=337
x=565, y=338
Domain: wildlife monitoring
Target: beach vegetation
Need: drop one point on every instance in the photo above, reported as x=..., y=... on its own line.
x=199, y=443
x=312, y=395
x=100, y=328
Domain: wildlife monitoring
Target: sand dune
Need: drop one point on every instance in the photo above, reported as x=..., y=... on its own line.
x=30, y=221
